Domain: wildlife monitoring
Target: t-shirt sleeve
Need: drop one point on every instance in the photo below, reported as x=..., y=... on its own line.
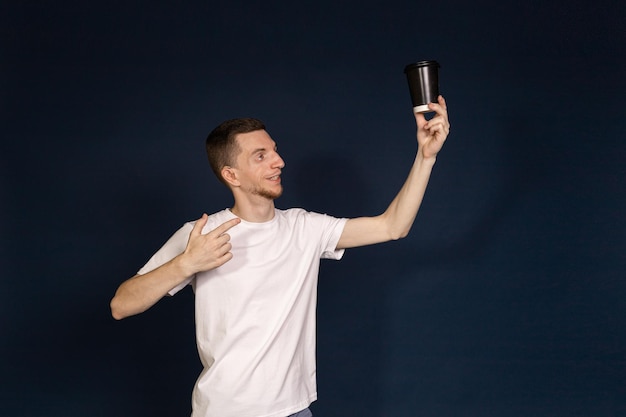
x=174, y=246
x=333, y=227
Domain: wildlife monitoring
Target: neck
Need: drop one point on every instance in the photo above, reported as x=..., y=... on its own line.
x=254, y=213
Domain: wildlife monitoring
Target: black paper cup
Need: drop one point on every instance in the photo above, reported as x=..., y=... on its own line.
x=423, y=78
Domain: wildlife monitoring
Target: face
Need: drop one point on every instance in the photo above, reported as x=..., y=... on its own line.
x=259, y=165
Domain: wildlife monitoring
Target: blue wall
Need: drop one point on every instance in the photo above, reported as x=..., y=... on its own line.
x=507, y=299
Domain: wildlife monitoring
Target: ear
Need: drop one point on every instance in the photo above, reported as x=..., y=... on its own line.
x=230, y=176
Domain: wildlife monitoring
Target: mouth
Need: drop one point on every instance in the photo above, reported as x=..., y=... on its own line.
x=275, y=178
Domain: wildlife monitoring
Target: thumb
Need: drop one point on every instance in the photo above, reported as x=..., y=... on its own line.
x=199, y=225
x=420, y=120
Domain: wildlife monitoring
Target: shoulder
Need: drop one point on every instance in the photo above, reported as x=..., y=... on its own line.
x=300, y=215
x=292, y=212
x=213, y=221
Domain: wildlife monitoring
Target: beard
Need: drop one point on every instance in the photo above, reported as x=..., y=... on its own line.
x=269, y=194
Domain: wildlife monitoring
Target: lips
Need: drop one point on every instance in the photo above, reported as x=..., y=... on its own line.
x=274, y=177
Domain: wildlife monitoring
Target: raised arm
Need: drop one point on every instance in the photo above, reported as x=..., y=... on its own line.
x=203, y=252
x=396, y=221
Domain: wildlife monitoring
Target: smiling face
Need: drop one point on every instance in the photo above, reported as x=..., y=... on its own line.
x=258, y=166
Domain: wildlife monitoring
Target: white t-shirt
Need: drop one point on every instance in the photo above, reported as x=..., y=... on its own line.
x=255, y=315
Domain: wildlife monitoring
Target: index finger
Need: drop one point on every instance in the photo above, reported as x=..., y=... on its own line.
x=441, y=108
x=227, y=225
x=442, y=102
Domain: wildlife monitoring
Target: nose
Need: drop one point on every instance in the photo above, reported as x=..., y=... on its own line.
x=278, y=161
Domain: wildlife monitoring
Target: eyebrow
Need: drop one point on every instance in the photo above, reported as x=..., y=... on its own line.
x=262, y=150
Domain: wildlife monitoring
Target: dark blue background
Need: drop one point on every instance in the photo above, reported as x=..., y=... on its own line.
x=507, y=299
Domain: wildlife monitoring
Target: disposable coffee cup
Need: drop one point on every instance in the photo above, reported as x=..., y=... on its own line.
x=423, y=78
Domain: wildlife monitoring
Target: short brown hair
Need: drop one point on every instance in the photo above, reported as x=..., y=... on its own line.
x=221, y=146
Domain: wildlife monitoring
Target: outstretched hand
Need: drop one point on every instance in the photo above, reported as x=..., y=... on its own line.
x=431, y=134
x=211, y=250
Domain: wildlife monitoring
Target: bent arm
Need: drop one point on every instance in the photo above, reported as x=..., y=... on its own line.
x=202, y=253
x=397, y=220
x=141, y=292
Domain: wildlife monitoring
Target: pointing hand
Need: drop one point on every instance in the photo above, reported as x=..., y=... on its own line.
x=208, y=251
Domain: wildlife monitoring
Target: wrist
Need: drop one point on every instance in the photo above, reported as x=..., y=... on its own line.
x=182, y=266
x=427, y=161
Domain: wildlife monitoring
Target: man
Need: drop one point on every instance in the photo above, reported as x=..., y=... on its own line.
x=254, y=272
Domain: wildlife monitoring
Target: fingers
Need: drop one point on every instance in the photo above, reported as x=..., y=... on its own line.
x=199, y=225
x=437, y=124
x=420, y=120
x=440, y=107
x=221, y=242
x=208, y=251
x=219, y=230
x=440, y=121
x=223, y=245
x=442, y=102
x=223, y=259
x=224, y=227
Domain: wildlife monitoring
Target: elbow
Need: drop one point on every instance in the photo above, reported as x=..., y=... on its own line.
x=117, y=316
x=399, y=233
x=116, y=310
x=394, y=227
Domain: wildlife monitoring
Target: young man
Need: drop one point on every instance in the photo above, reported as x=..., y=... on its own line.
x=254, y=272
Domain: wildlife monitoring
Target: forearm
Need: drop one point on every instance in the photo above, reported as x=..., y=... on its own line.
x=431, y=135
x=401, y=213
x=141, y=292
x=397, y=220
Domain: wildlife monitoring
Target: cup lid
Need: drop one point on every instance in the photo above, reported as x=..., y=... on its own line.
x=420, y=64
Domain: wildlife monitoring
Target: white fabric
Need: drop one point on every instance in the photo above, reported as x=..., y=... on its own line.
x=255, y=315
